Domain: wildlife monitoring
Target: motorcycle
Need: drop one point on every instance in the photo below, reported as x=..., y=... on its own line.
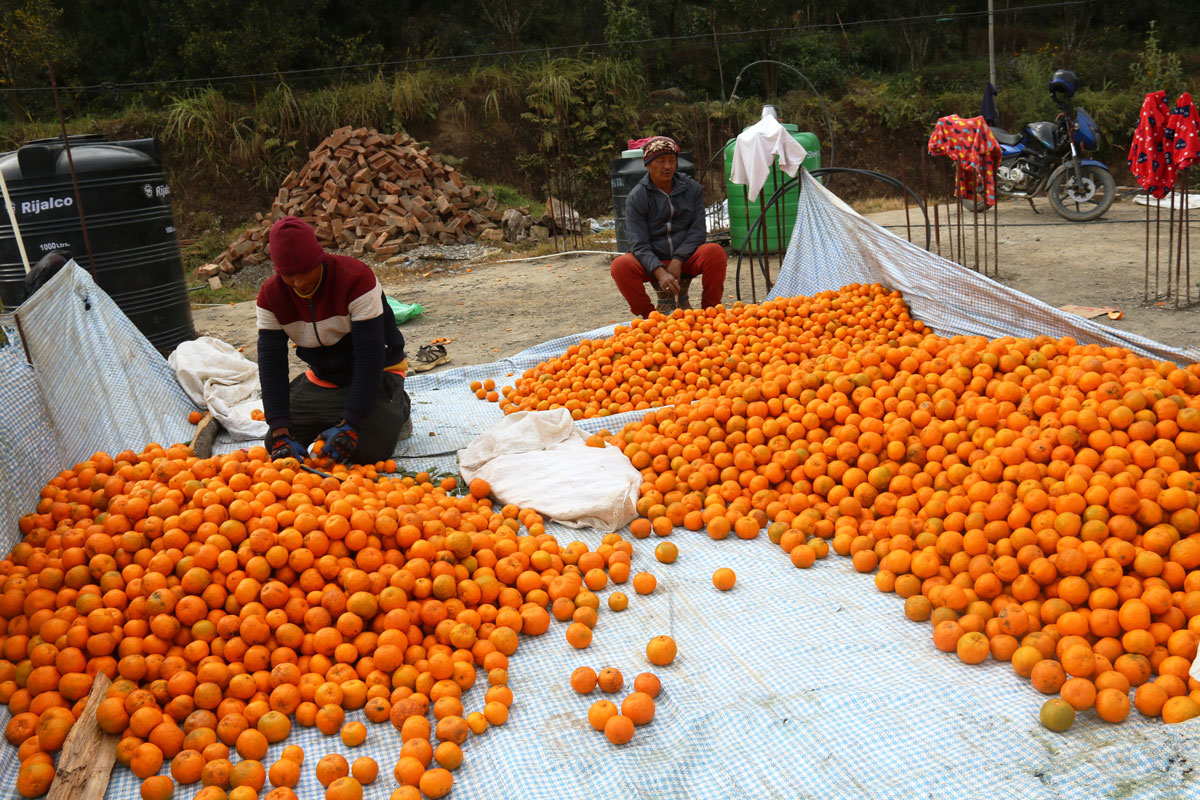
x=1051, y=158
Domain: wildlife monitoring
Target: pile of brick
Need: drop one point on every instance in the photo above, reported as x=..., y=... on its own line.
x=370, y=193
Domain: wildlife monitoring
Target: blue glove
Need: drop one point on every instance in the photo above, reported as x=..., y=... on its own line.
x=284, y=446
x=340, y=442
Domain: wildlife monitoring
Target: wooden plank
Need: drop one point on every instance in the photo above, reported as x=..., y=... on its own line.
x=88, y=753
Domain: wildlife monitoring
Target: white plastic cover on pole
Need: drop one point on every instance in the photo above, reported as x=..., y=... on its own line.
x=11, y=210
x=216, y=376
x=540, y=460
x=756, y=148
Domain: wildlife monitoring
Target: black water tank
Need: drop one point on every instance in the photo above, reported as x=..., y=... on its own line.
x=625, y=174
x=127, y=204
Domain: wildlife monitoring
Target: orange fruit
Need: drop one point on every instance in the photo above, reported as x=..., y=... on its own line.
x=638, y=707
x=666, y=552
x=648, y=683
x=353, y=734
x=284, y=772
x=610, y=680
x=344, y=788
x=724, y=579
x=157, y=787
x=661, y=650
x=644, y=583
x=583, y=680
x=330, y=768
x=1112, y=705
x=579, y=635
x=619, y=729
x=1179, y=709
x=1057, y=714
x=600, y=712
x=448, y=755
x=436, y=783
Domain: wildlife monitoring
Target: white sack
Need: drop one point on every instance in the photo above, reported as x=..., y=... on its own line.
x=540, y=460
x=216, y=376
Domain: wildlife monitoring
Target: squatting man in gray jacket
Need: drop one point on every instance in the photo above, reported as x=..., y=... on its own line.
x=665, y=223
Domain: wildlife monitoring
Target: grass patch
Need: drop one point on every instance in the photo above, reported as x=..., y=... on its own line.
x=228, y=293
x=512, y=197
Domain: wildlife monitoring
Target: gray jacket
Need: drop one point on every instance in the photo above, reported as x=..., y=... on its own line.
x=663, y=227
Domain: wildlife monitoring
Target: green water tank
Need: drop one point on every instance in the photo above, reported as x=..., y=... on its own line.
x=782, y=217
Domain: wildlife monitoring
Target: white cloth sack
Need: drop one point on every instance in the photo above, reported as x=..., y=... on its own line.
x=755, y=151
x=216, y=376
x=540, y=460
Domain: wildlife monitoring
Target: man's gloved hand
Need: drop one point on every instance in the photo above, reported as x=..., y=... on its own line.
x=284, y=446
x=340, y=442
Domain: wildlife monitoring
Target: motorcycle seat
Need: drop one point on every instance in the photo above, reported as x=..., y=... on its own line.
x=1004, y=137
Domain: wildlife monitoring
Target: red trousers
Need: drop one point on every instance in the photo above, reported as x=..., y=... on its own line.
x=708, y=262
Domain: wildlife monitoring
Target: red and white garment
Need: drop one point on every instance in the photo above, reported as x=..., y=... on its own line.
x=971, y=145
x=1181, y=143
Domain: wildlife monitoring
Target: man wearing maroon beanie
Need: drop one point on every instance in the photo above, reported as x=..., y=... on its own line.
x=352, y=394
x=664, y=217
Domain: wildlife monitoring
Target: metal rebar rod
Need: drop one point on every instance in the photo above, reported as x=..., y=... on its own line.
x=1187, y=227
x=1157, y=241
x=24, y=341
x=996, y=237
x=925, y=190
x=904, y=180
x=747, y=242
x=87, y=239
x=1170, y=241
x=1146, y=287
x=985, y=236
x=765, y=256
x=1183, y=203
x=937, y=227
x=962, y=242
x=975, y=227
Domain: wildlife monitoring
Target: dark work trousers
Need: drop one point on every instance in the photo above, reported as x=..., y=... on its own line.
x=317, y=408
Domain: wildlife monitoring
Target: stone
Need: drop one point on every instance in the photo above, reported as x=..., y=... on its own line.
x=491, y=235
x=214, y=283
x=208, y=270
x=539, y=232
x=561, y=217
x=513, y=223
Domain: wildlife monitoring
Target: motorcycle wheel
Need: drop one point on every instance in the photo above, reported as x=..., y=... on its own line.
x=975, y=203
x=1086, y=202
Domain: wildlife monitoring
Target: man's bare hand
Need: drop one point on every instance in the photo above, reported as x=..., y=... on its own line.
x=667, y=281
x=675, y=267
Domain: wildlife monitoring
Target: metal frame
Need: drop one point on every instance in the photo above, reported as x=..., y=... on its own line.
x=782, y=190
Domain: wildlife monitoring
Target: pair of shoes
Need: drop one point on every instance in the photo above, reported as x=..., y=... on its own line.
x=666, y=303
x=428, y=356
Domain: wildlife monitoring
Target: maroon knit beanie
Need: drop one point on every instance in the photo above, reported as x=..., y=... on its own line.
x=294, y=246
x=658, y=146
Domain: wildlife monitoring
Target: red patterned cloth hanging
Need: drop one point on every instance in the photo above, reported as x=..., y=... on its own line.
x=1181, y=140
x=971, y=145
x=1147, y=160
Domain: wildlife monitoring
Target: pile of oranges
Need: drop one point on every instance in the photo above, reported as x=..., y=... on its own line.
x=663, y=361
x=637, y=708
x=1034, y=499
x=229, y=598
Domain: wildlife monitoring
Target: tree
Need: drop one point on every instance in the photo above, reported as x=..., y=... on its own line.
x=28, y=38
x=509, y=17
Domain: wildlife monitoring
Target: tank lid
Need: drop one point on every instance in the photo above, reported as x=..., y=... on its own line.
x=46, y=158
